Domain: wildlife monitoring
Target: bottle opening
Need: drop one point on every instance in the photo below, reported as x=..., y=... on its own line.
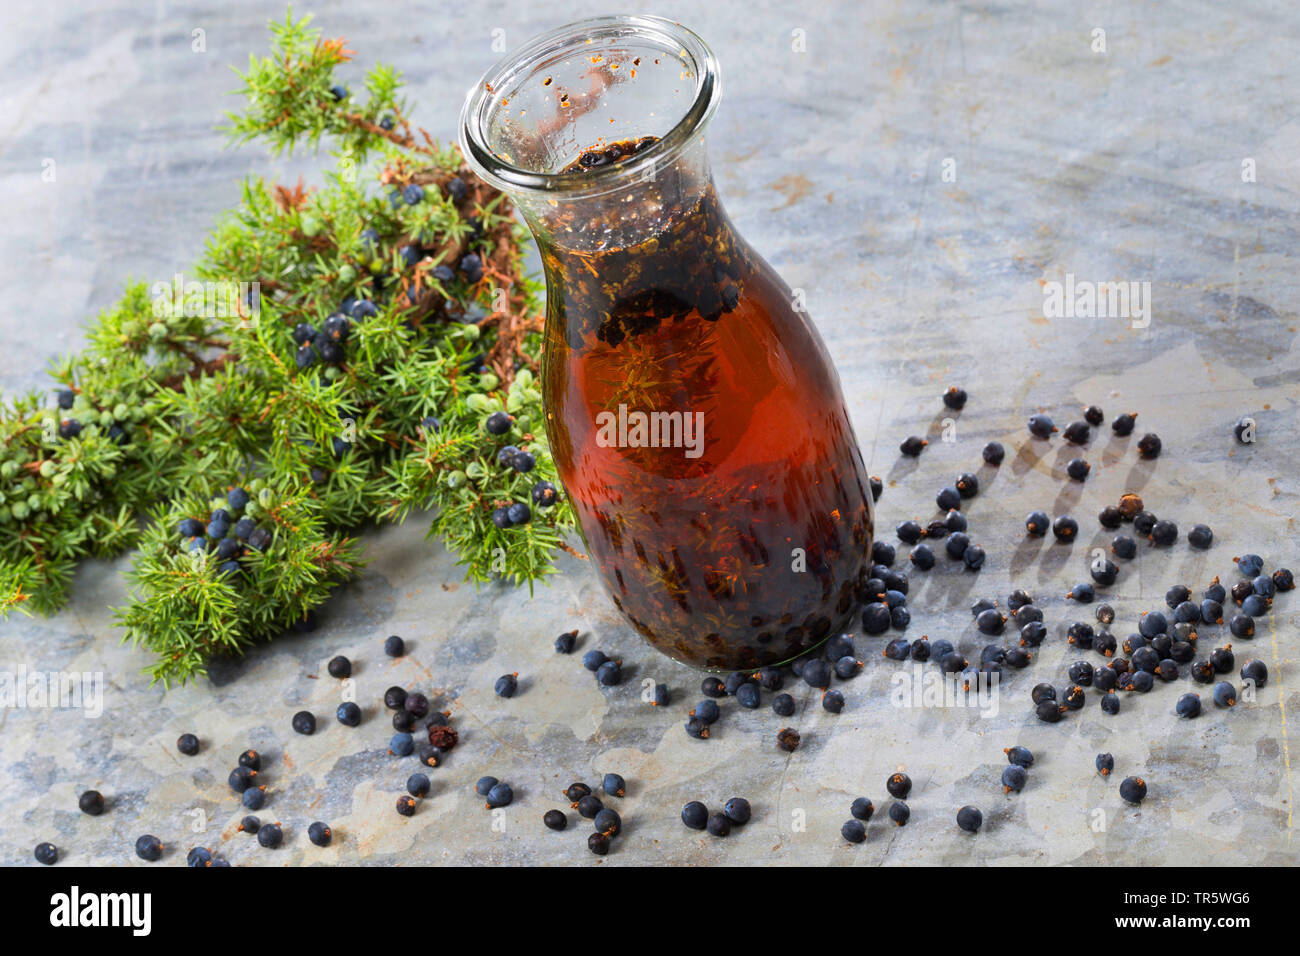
x=590, y=84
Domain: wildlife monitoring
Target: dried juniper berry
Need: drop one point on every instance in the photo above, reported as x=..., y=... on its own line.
x=862, y=809
x=564, y=643
x=718, y=825
x=749, y=695
x=1149, y=445
x=304, y=722
x=250, y=824
x=783, y=705
x=91, y=802
x=46, y=853
x=909, y=532
x=1188, y=706
x=1037, y=523
x=956, y=546
x=973, y=557
x=148, y=848
x=1123, y=423
x=912, y=445
x=990, y=621
x=875, y=620
x=1105, y=764
x=1074, y=697
x=1140, y=681
x=1083, y=592
x=253, y=798
x=507, y=685
x=897, y=650
x=955, y=397
x=833, y=702
x=240, y=779
x=348, y=714
x=1029, y=613
x=1093, y=415
x=401, y=745
x=968, y=486
x=1254, y=672
x=573, y=792
x=970, y=819
x=948, y=497
x=1164, y=533
x=709, y=687
x=899, y=785
x=555, y=820
x=1242, y=625
x=1081, y=672
x=1167, y=669
x=882, y=552
x=501, y=795
x=394, y=646
x=1103, y=571
x=320, y=834
x=608, y=822
x=1041, y=426
x=899, y=813
x=1211, y=611
x=1040, y=693
x=1048, y=710
x=1065, y=528
x=1200, y=537
x=1104, y=679
x=1133, y=790
x=1014, y=779
x=697, y=728
x=1255, y=605
x=1283, y=579
x=1225, y=695
x=1110, y=517
x=1019, y=756
x=1077, y=469
x=695, y=815
x=853, y=831
x=1018, y=599
x=922, y=557
x=1123, y=546
x=598, y=843
x=1077, y=433
x=787, y=738
x=406, y=805
x=1109, y=704
x=994, y=453
x=1144, y=522
x=921, y=650
x=610, y=674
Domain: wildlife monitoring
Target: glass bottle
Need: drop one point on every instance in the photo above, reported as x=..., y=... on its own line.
x=693, y=412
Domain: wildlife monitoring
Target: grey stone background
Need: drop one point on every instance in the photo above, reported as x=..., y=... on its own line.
x=1123, y=165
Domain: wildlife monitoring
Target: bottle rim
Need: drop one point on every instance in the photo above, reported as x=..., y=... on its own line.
x=502, y=174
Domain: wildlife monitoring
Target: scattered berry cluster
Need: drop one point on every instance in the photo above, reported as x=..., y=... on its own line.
x=607, y=822
x=736, y=812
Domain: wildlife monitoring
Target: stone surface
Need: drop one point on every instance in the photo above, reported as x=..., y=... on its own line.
x=1116, y=166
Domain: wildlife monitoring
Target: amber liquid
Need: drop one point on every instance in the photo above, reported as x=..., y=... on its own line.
x=747, y=554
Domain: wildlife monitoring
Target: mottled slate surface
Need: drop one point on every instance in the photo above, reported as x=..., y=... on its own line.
x=1117, y=166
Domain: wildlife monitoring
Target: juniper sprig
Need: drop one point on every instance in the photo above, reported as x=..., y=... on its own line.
x=337, y=353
